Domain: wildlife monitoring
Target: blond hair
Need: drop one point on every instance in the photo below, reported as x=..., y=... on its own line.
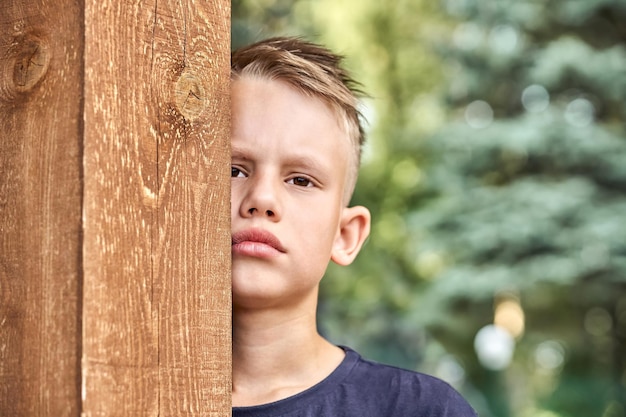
x=313, y=70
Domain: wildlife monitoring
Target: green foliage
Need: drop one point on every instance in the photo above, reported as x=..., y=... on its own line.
x=495, y=170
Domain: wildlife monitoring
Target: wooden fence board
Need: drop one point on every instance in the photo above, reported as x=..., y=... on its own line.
x=157, y=306
x=40, y=207
x=114, y=208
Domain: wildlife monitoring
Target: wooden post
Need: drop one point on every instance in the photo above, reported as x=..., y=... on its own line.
x=114, y=208
x=40, y=208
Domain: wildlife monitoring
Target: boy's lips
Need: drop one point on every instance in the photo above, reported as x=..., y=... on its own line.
x=257, y=243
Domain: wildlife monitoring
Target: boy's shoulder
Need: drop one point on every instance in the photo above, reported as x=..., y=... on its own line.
x=360, y=387
x=403, y=392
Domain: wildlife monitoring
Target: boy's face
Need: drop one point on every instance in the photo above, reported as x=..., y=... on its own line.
x=289, y=169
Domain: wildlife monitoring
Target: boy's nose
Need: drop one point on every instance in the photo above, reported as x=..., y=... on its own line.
x=262, y=200
x=253, y=210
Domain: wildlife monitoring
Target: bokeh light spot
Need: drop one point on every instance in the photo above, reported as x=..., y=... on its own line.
x=580, y=112
x=503, y=39
x=429, y=264
x=479, y=114
x=595, y=255
x=549, y=355
x=535, y=98
x=450, y=370
x=406, y=174
x=467, y=36
x=494, y=347
x=510, y=316
x=598, y=322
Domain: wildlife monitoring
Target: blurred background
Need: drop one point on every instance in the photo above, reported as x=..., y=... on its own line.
x=496, y=176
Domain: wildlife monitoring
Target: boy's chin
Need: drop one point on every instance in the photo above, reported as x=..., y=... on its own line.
x=246, y=304
x=256, y=300
x=251, y=296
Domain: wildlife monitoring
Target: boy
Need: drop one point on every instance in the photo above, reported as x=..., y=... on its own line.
x=296, y=142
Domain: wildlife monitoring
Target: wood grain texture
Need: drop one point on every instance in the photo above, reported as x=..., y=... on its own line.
x=41, y=46
x=156, y=322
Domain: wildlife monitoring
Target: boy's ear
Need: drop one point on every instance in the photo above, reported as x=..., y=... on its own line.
x=354, y=228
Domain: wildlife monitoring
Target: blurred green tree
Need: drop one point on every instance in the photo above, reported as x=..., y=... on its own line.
x=496, y=176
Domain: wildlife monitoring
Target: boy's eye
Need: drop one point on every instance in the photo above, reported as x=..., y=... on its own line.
x=236, y=173
x=301, y=181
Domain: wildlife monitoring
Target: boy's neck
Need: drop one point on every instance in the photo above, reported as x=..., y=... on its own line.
x=277, y=354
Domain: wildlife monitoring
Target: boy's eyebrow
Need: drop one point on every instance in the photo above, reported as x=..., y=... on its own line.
x=307, y=163
x=239, y=153
x=295, y=160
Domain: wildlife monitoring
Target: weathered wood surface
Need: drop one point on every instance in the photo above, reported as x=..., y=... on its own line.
x=156, y=322
x=114, y=202
x=40, y=207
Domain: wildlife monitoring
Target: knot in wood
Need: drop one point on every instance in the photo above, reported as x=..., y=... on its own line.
x=27, y=64
x=190, y=96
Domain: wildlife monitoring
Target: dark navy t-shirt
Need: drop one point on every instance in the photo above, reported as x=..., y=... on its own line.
x=363, y=388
